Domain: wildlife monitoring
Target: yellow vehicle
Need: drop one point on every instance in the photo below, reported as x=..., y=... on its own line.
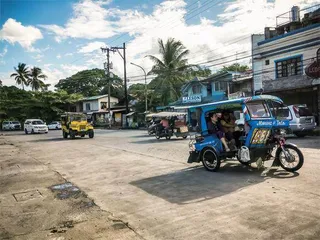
x=75, y=124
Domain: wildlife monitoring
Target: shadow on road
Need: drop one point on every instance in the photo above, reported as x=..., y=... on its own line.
x=60, y=139
x=161, y=140
x=195, y=184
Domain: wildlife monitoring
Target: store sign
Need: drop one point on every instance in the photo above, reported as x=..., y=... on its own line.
x=192, y=99
x=313, y=70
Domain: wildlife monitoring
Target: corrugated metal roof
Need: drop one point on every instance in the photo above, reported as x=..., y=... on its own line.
x=94, y=97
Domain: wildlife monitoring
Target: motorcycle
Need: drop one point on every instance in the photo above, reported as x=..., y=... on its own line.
x=152, y=127
x=162, y=132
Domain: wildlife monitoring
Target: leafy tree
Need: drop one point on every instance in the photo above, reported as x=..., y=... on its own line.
x=90, y=83
x=236, y=67
x=20, y=104
x=172, y=70
x=21, y=74
x=35, y=76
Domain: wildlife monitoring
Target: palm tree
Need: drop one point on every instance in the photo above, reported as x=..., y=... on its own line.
x=35, y=77
x=21, y=75
x=172, y=70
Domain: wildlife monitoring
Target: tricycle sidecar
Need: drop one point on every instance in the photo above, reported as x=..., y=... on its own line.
x=266, y=122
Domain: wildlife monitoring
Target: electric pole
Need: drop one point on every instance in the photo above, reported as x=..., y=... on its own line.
x=107, y=69
x=125, y=75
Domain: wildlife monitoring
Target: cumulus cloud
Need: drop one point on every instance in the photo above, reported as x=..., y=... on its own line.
x=89, y=21
x=58, y=56
x=13, y=31
x=91, y=47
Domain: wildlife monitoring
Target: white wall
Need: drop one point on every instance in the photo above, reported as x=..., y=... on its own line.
x=264, y=72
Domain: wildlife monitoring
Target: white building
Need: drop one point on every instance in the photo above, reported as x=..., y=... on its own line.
x=98, y=103
x=281, y=55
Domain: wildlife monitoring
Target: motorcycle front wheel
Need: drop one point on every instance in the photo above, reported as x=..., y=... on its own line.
x=291, y=158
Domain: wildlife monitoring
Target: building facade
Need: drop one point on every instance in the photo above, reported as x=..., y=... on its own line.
x=282, y=56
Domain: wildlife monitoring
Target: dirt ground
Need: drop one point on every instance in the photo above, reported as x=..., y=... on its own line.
x=128, y=185
x=34, y=204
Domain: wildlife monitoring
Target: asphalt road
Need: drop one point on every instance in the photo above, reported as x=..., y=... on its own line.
x=147, y=183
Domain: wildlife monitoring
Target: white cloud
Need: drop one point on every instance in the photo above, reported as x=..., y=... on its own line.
x=89, y=21
x=4, y=52
x=91, y=47
x=38, y=56
x=58, y=56
x=68, y=54
x=13, y=31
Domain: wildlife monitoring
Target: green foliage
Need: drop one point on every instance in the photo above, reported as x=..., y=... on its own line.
x=35, y=76
x=20, y=104
x=172, y=70
x=91, y=83
x=236, y=67
x=21, y=75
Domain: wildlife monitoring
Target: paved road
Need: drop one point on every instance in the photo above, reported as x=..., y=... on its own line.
x=147, y=183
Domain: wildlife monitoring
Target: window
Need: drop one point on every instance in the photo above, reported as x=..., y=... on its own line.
x=279, y=110
x=267, y=62
x=318, y=54
x=289, y=67
x=196, y=89
x=220, y=86
x=258, y=109
x=87, y=106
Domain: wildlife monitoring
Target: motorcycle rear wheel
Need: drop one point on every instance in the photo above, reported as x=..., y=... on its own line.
x=295, y=156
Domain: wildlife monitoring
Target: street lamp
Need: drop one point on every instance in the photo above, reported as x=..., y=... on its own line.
x=145, y=84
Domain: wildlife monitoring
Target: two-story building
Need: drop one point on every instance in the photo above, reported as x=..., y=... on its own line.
x=282, y=56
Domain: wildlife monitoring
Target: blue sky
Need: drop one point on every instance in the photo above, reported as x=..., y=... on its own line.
x=64, y=36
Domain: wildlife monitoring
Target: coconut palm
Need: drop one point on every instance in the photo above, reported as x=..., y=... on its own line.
x=172, y=70
x=35, y=76
x=21, y=75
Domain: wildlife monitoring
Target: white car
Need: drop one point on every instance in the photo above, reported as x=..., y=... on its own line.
x=35, y=126
x=11, y=125
x=54, y=125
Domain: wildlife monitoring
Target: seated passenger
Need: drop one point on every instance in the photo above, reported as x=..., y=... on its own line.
x=228, y=125
x=165, y=123
x=213, y=128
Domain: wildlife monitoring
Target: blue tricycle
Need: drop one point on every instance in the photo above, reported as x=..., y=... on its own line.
x=266, y=122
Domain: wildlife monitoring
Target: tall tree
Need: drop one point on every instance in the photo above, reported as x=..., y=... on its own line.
x=35, y=79
x=90, y=83
x=236, y=67
x=172, y=70
x=21, y=75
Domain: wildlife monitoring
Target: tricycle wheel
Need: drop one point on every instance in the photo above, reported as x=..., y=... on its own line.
x=291, y=159
x=210, y=160
x=168, y=137
x=184, y=137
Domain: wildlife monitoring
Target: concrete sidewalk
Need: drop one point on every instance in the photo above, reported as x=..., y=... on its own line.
x=31, y=208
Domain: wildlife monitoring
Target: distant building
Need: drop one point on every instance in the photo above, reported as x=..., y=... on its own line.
x=286, y=59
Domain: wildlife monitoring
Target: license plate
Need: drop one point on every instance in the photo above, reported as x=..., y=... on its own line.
x=308, y=120
x=82, y=130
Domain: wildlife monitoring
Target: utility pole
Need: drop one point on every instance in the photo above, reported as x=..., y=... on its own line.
x=125, y=74
x=107, y=68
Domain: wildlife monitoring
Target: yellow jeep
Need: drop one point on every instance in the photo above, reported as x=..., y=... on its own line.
x=75, y=124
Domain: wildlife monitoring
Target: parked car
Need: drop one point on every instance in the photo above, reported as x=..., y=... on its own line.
x=11, y=125
x=54, y=125
x=35, y=126
x=303, y=121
